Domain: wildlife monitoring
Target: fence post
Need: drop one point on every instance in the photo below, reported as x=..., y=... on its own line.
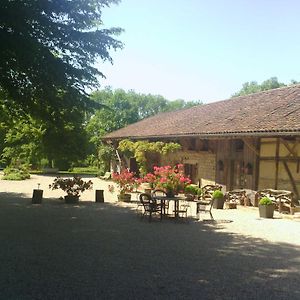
x=100, y=196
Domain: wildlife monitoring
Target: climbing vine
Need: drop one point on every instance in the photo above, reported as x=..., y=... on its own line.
x=140, y=148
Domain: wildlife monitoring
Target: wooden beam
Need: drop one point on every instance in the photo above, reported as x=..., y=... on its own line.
x=251, y=147
x=291, y=179
x=277, y=163
x=273, y=158
x=291, y=150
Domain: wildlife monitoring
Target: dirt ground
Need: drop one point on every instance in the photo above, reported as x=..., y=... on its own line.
x=106, y=251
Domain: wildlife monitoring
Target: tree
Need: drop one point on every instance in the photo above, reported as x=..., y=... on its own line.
x=48, y=52
x=254, y=87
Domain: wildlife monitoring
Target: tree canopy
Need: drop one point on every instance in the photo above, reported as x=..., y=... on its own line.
x=254, y=87
x=128, y=107
x=48, y=53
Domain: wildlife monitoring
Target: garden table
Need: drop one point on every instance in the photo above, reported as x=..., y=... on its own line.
x=176, y=201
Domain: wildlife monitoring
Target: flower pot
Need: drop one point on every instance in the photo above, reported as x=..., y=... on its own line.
x=124, y=197
x=190, y=197
x=170, y=194
x=218, y=203
x=71, y=199
x=266, y=211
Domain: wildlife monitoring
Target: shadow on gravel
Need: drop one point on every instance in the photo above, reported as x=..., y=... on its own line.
x=104, y=251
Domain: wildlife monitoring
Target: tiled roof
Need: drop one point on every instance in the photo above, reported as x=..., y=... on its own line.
x=273, y=112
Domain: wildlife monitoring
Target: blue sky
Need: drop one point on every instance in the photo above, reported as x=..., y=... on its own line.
x=202, y=50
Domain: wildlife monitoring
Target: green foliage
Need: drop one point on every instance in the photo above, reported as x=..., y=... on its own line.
x=127, y=108
x=72, y=186
x=22, y=141
x=192, y=189
x=84, y=170
x=254, y=87
x=48, y=53
x=265, y=201
x=14, y=173
x=140, y=148
x=217, y=194
x=123, y=108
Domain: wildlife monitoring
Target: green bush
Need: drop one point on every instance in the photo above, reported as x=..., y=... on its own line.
x=12, y=173
x=191, y=189
x=84, y=170
x=217, y=194
x=265, y=201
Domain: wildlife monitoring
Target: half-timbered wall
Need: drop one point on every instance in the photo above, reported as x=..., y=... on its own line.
x=237, y=163
x=279, y=166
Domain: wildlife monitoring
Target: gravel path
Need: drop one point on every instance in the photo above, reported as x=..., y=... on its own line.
x=105, y=251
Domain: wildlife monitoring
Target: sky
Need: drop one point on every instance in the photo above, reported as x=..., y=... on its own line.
x=202, y=50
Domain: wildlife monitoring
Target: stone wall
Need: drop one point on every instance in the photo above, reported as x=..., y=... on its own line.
x=204, y=161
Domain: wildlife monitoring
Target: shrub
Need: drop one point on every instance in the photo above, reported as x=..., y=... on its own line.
x=217, y=194
x=168, y=179
x=20, y=173
x=84, y=170
x=125, y=181
x=72, y=186
x=191, y=189
x=265, y=201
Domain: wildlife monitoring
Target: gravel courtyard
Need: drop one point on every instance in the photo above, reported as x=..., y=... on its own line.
x=105, y=251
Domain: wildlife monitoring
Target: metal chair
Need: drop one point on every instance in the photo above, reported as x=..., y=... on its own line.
x=183, y=208
x=205, y=206
x=150, y=206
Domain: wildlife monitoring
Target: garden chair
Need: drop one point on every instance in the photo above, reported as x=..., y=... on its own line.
x=106, y=176
x=208, y=190
x=204, y=206
x=183, y=208
x=150, y=206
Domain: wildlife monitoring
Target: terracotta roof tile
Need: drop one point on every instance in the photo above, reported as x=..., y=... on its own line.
x=270, y=112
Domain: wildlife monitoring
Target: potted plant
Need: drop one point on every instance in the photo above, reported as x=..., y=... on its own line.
x=126, y=183
x=266, y=208
x=72, y=186
x=171, y=180
x=192, y=191
x=218, y=198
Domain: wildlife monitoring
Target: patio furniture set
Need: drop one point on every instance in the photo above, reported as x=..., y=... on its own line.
x=157, y=202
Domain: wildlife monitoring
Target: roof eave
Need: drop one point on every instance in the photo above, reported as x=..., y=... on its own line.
x=213, y=135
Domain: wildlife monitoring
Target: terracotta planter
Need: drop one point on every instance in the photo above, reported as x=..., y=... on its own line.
x=218, y=203
x=266, y=211
x=124, y=197
x=70, y=199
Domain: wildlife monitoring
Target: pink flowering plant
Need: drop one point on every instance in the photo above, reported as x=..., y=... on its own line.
x=72, y=186
x=126, y=181
x=170, y=179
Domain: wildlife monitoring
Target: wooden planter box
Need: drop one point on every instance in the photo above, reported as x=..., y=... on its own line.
x=230, y=205
x=124, y=197
x=69, y=199
x=37, y=196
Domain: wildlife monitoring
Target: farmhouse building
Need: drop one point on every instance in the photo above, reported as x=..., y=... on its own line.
x=248, y=142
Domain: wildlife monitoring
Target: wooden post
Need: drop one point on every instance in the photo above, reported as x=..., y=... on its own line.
x=100, y=196
x=277, y=163
x=291, y=179
x=37, y=196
